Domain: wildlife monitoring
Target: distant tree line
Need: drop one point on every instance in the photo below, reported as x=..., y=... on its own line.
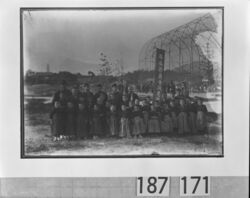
x=139, y=78
x=50, y=78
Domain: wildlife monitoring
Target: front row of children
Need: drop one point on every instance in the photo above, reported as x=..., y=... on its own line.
x=131, y=119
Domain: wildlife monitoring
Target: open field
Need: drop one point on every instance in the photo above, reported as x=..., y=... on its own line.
x=38, y=141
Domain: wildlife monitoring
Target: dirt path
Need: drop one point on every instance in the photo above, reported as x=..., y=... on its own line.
x=38, y=143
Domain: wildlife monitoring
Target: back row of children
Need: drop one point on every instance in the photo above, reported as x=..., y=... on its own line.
x=82, y=114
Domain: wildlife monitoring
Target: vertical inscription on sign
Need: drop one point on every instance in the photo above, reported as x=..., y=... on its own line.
x=159, y=70
x=194, y=186
x=153, y=186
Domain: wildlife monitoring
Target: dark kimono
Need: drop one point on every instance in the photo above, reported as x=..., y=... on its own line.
x=145, y=112
x=192, y=117
x=75, y=100
x=89, y=102
x=117, y=100
x=201, y=118
x=70, y=122
x=138, y=125
x=89, y=99
x=173, y=113
x=132, y=96
x=58, y=120
x=183, y=126
x=166, y=123
x=66, y=93
x=100, y=94
x=82, y=123
x=124, y=124
x=114, y=123
x=154, y=122
x=98, y=121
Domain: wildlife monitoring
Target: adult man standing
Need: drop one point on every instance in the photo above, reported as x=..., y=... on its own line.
x=100, y=94
x=75, y=94
x=131, y=95
x=89, y=102
x=63, y=94
x=171, y=89
x=116, y=97
x=88, y=95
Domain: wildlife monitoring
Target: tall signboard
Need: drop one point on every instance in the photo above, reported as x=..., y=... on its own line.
x=159, y=70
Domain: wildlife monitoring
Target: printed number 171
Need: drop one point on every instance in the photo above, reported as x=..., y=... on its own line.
x=194, y=186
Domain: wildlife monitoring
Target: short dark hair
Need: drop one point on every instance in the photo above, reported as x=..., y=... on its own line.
x=114, y=85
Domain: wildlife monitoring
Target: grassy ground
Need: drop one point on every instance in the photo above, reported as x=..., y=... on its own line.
x=40, y=89
x=38, y=141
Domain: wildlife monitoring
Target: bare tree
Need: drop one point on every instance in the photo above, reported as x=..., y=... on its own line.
x=105, y=65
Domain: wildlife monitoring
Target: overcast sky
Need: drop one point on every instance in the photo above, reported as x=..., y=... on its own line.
x=76, y=38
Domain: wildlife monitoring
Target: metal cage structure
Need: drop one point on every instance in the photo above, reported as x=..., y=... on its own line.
x=188, y=48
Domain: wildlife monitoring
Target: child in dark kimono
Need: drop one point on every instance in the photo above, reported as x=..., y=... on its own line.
x=183, y=127
x=125, y=100
x=70, y=123
x=57, y=117
x=124, y=129
x=201, y=116
x=82, y=121
x=166, y=123
x=191, y=108
x=154, y=120
x=63, y=103
x=107, y=118
x=158, y=107
x=138, y=126
x=101, y=102
x=145, y=112
x=130, y=110
x=173, y=112
x=98, y=121
x=137, y=102
x=131, y=106
x=113, y=121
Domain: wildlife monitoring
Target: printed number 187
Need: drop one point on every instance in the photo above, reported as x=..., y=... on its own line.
x=153, y=186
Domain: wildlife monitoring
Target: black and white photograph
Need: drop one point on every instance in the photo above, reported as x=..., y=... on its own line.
x=122, y=82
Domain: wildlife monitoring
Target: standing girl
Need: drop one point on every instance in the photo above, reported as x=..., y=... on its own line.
x=138, y=126
x=70, y=124
x=183, y=127
x=124, y=129
x=191, y=108
x=82, y=121
x=145, y=112
x=173, y=112
x=201, y=116
x=97, y=128
x=57, y=117
x=166, y=123
x=154, y=120
x=113, y=121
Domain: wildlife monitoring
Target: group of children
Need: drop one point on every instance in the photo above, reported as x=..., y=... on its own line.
x=84, y=115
